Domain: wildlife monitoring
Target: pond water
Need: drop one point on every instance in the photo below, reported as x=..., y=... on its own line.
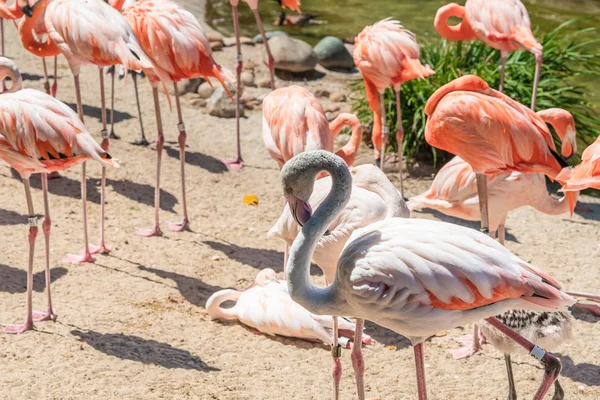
x=348, y=17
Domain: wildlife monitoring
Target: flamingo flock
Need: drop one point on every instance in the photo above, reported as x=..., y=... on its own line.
x=414, y=276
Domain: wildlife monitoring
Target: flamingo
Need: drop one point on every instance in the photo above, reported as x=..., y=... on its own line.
x=502, y=24
x=91, y=32
x=494, y=133
x=267, y=307
x=294, y=121
x=238, y=162
x=387, y=54
x=40, y=135
x=416, y=277
x=586, y=174
x=12, y=12
x=373, y=198
x=177, y=44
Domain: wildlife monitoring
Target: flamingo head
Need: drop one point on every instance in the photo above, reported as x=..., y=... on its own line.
x=563, y=123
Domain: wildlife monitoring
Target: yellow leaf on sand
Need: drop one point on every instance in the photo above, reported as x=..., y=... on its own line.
x=391, y=347
x=251, y=200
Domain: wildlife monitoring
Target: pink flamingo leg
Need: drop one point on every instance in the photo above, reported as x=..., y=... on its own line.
x=50, y=313
x=483, y=202
x=358, y=363
x=472, y=344
x=142, y=141
x=336, y=353
x=384, y=130
x=536, y=78
x=46, y=80
x=552, y=365
x=51, y=92
x=160, y=139
x=420, y=366
x=54, y=83
x=181, y=226
x=503, y=57
x=112, y=103
x=238, y=162
x=86, y=256
x=271, y=62
x=102, y=248
x=400, y=139
x=2, y=34
x=33, y=229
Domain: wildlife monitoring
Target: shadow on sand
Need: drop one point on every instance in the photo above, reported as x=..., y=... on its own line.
x=14, y=280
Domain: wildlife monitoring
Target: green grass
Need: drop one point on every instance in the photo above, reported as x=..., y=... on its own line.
x=570, y=57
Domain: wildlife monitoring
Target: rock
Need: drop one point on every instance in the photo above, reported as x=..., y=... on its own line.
x=350, y=48
x=332, y=115
x=230, y=41
x=322, y=93
x=214, y=36
x=205, y=90
x=220, y=105
x=337, y=97
x=258, y=38
x=198, y=101
x=347, y=108
x=263, y=82
x=331, y=107
x=215, y=46
x=248, y=65
x=247, y=78
x=331, y=53
x=292, y=54
x=188, y=86
x=247, y=40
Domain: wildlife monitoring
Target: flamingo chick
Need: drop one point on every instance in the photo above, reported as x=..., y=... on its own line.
x=416, y=277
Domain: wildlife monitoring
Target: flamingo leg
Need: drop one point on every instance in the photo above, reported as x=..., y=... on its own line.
x=501, y=234
x=336, y=353
x=472, y=344
x=552, y=365
x=160, y=140
x=385, y=129
x=112, y=103
x=512, y=391
x=559, y=393
x=536, y=78
x=238, y=162
x=181, y=226
x=358, y=363
x=142, y=140
x=86, y=256
x=400, y=139
x=54, y=77
x=271, y=62
x=483, y=202
x=33, y=229
x=46, y=225
x=503, y=56
x=102, y=248
x=46, y=80
x=2, y=34
x=420, y=366
x=286, y=255
x=51, y=92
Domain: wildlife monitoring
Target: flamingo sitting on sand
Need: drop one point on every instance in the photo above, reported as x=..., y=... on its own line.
x=177, y=44
x=40, y=135
x=90, y=32
x=387, y=55
x=294, y=121
x=373, y=198
x=501, y=24
x=267, y=307
x=494, y=133
x=414, y=276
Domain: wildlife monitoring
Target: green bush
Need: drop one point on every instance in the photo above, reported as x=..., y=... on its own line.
x=568, y=58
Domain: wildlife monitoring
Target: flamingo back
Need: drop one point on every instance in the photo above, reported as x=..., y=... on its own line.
x=586, y=174
x=291, y=4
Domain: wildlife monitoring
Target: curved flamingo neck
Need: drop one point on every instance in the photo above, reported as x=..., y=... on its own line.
x=9, y=70
x=462, y=31
x=26, y=29
x=372, y=179
x=306, y=166
x=551, y=205
x=350, y=149
x=563, y=123
x=213, y=305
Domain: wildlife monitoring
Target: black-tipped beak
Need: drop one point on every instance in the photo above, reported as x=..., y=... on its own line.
x=27, y=10
x=300, y=209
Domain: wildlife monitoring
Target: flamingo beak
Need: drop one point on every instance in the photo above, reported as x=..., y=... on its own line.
x=27, y=10
x=301, y=210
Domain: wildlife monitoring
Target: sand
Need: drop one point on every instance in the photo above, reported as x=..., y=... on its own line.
x=133, y=324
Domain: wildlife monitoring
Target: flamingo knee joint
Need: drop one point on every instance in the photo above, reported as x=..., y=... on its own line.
x=336, y=351
x=537, y=352
x=181, y=127
x=33, y=221
x=105, y=134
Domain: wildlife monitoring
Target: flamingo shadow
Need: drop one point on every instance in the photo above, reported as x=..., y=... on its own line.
x=14, y=280
x=96, y=112
x=386, y=336
x=194, y=290
x=313, y=75
x=145, y=351
x=204, y=161
x=33, y=77
x=582, y=372
x=8, y=217
x=65, y=186
x=584, y=315
x=589, y=211
x=143, y=193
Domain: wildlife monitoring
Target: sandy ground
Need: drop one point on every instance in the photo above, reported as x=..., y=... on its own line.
x=133, y=324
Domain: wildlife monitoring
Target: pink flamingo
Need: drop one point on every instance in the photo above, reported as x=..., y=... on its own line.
x=586, y=174
x=238, y=162
x=501, y=24
x=373, y=198
x=177, y=44
x=267, y=307
x=66, y=21
x=416, y=277
x=7, y=12
x=40, y=135
x=294, y=121
x=387, y=55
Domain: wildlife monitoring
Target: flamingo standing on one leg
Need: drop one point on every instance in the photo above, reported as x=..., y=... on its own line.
x=90, y=32
x=238, y=162
x=294, y=121
x=373, y=198
x=177, y=44
x=387, y=55
x=40, y=135
x=416, y=277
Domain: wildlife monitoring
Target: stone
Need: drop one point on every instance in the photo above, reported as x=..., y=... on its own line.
x=322, y=93
x=263, y=82
x=350, y=48
x=247, y=78
x=205, y=90
x=331, y=107
x=292, y=54
x=337, y=97
x=271, y=34
x=230, y=41
x=215, y=46
x=187, y=86
x=198, y=101
x=214, y=36
x=246, y=40
x=332, y=53
x=220, y=105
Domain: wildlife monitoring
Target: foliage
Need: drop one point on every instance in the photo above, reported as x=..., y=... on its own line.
x=569, y=59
